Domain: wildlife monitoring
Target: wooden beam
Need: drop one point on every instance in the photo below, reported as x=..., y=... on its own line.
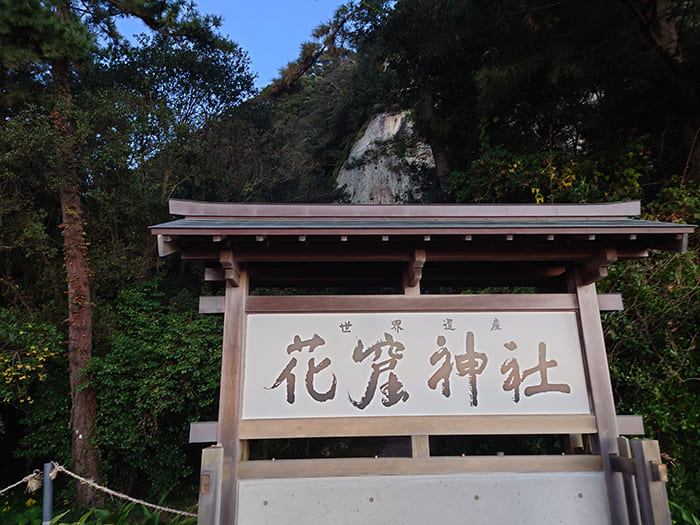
x=600, y=390
x=166, y=246
x=681, y=245
x=506, y=211
x=597, y=269
x=420, y=446
x=403, y=303
x=231, y=389
x=415, y=267
x=651, y=488
x=417, y=425
x=631, y=425
x=212, y=304
x=214, y=275
x=312, y=468
x=232, y=272
x=383, y=252
x=628, y=479
x=610, y=302
x=199, y=254
x=370, y=303
x=204, y=432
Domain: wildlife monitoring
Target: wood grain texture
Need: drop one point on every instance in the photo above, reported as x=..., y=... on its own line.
x=303, y=468
x=600, y=390
x=416, y=425
x=405, y=303
x=231, y=388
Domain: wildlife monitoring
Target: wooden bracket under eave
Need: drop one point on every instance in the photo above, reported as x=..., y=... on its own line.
x=681, y=244
x=415, y=268
x=232, y=272
x=597, y=269
x=166, y=245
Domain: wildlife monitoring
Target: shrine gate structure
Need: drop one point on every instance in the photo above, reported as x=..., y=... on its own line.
x=350, y=321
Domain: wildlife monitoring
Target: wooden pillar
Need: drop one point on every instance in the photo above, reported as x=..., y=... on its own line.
x=231, y=387
x=420, y=444
x=601, y=394
x=651, y=486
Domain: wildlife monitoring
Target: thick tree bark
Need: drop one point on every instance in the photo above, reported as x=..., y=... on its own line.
x=83, y=409
x=657, y=19
x=437, y=144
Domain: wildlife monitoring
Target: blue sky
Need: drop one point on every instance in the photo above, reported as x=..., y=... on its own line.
x=271, y=31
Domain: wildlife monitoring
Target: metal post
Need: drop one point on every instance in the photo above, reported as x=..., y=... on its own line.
x=47, y=513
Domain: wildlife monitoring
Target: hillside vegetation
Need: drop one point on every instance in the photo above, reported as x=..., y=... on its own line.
x=539, y=102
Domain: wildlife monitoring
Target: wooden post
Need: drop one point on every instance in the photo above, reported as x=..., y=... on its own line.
x=651, y=487
x=628, y=480
x=210, y=478
x=601, y=394
x=420, y=444
x=231, y=387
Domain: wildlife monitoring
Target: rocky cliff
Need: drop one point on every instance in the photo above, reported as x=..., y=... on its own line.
x=387, y=162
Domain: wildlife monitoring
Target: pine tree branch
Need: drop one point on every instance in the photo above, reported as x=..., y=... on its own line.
x=304, y=64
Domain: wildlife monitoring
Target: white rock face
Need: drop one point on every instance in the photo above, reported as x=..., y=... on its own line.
x=374, y=173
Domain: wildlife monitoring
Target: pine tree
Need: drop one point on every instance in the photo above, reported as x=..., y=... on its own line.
x=45, y=46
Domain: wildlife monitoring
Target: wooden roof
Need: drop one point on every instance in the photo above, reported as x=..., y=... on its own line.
x=542, y=238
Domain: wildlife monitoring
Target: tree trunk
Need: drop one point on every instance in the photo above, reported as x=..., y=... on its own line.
x=83, y=409
x=437, y=144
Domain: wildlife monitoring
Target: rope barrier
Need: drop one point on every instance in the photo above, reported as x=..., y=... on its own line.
x=111, y=492
x=34, y=481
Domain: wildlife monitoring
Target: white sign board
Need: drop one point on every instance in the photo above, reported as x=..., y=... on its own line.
x=428, y=363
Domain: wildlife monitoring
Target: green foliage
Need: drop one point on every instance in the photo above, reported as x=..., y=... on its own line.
x=34, y=381
x=29, y=350
x=499, y=175
x=32, y=32
x=283, y=151
x=678, y=202
x=187, y=81
x=157, y=370
x=654, y=362
x=536, y=102
x=682, y=515
x=122, y=516
x=20, y=509
x=553, y=82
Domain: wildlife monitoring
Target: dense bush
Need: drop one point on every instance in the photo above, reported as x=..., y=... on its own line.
x=157, y=372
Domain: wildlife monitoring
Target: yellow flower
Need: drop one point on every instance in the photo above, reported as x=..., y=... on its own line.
x=30, y=502
x=21, y=332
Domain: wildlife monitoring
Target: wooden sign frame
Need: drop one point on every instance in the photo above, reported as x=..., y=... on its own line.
x=601, y=424
x=567, y=247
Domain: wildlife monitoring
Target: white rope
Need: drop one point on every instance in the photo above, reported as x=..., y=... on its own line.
x=36, y=475
x=111, y=492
